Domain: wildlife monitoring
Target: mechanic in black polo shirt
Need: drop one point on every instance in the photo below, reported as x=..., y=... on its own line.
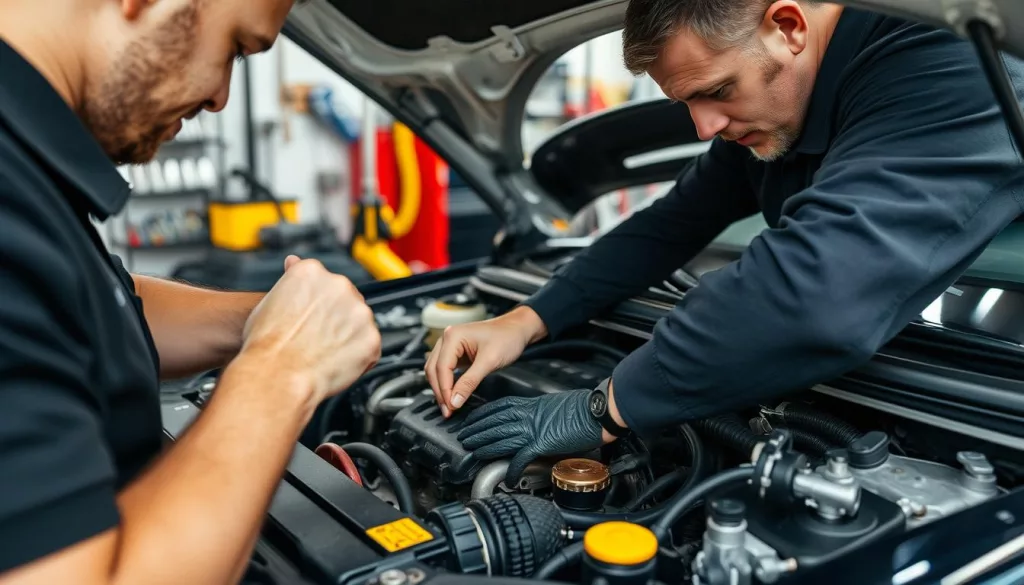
x=876, y=152
x=84, y=497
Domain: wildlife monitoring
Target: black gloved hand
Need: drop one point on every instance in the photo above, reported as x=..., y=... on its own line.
x=553, y=424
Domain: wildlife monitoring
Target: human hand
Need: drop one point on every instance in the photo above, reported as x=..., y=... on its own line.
x=484, y=347
x=528, y=428
x=315, y=324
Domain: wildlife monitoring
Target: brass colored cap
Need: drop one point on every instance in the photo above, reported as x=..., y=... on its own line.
x=620, y=543
x=580, y=475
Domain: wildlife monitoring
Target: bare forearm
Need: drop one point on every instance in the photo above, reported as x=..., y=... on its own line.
x=194, y=329
x=206, y=498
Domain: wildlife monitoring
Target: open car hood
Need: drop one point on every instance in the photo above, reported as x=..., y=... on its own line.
x=459, y=73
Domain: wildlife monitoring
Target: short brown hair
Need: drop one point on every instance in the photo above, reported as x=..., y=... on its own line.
x=649, y=24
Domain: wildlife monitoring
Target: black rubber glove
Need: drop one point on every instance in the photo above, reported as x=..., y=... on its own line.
x=528, y=428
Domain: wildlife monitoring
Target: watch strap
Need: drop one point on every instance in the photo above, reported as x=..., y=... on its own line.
x=602, y=413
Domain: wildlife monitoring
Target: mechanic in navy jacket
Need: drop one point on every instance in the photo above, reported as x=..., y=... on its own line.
x=876, y=152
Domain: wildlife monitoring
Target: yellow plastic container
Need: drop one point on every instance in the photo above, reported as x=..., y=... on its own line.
x=235, y=225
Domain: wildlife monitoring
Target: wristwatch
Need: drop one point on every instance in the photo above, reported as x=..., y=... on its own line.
x=598, y=404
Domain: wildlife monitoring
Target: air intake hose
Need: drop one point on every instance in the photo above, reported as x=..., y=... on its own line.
x=503, y=535
x=730, y=430
x=827, y=426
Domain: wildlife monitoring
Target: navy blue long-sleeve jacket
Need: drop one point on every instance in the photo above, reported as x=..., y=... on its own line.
x=904, y=172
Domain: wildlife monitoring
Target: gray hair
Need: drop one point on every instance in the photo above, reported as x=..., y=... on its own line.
x=722, y=24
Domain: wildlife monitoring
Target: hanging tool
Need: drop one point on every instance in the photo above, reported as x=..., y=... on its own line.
x=375, y=221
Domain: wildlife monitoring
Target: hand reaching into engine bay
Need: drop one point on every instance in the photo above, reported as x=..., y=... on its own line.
x=481, y=347
x=527, y=428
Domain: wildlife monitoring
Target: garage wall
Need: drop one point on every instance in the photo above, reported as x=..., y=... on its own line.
x=294, y=154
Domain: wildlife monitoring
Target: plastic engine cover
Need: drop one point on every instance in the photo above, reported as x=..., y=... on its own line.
x=429, y=440
x=423, y=437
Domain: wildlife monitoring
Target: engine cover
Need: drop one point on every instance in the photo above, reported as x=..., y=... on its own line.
x=425, y=438
x=429, y=440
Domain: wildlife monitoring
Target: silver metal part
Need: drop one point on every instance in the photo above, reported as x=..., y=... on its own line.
x=978, y=474
x=399, y=577
x=393, y=388
x=393, y=405
x=928, y=491
x=732, y=556
x=775, y=455
x=536, y=476
x=393, y=577
x=838, y=469
x=831, y=499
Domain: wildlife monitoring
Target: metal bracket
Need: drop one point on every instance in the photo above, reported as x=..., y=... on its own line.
x=959, y=13
x=510, y=49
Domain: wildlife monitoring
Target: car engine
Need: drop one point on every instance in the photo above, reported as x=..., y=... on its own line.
x=757, y=496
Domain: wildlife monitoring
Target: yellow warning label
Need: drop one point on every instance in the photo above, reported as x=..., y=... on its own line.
x=400, y=534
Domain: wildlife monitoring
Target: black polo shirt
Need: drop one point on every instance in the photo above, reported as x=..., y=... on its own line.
x=903, y=173
x=79, y=412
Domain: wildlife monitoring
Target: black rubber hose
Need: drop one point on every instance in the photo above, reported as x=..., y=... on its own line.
x=810, y=443
x=381, y=370
x=698, y=457
x=583, y=520
x=540, y=351
x=388, y=468
x=656, y=487
x=686, y=500
x=730, y=430
x=831, y=428
x=566, y=557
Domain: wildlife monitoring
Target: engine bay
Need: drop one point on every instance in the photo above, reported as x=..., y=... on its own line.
x=764, y=495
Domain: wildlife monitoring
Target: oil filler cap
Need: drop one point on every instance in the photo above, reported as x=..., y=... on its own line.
x=580, y=484
x=620, y=544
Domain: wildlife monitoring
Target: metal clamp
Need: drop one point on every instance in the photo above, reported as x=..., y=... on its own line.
x=765, y=458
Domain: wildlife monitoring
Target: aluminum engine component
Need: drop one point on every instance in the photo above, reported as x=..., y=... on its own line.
x=537, y=476
x=733, y=556
x=781, y=476
x=804, y=517
x=926, y=491
x=833, y=492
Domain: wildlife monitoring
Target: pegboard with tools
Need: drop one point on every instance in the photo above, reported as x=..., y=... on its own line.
x=170, y=195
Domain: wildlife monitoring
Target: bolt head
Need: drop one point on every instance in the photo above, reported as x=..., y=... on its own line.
x=392, y=577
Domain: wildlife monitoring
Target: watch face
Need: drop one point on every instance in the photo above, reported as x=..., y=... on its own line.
x=597, y=403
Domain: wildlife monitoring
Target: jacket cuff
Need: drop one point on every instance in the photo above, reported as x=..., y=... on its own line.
x=558, y=305
x=645, y=401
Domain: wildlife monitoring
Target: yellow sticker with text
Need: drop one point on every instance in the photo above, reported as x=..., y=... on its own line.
x=400, y=534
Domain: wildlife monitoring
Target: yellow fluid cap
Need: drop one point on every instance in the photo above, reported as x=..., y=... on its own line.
x=620, y=543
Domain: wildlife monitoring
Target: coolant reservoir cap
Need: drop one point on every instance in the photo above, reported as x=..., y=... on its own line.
x=580, y=475
x=620, y=543
x=452, y=310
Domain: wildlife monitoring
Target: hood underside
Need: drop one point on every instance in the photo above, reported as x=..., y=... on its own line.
x=459, y=72
x=412, y=26
x=469, y=64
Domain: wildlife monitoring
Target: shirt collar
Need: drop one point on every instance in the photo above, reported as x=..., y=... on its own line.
x=33, y=110
x=845, y=45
